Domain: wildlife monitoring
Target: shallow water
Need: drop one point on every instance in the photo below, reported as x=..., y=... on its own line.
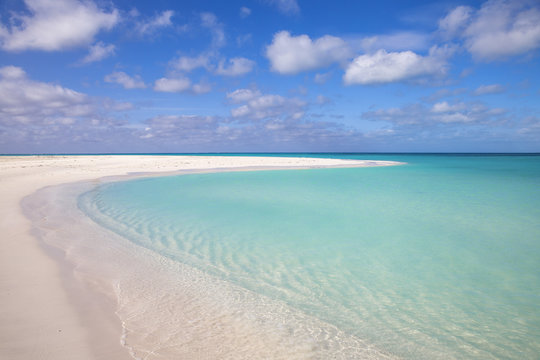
x=437, y=258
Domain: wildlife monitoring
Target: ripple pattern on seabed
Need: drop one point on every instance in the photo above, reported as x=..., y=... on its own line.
x=413, y=259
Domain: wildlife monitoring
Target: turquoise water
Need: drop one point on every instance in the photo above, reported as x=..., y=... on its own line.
x=438, y=258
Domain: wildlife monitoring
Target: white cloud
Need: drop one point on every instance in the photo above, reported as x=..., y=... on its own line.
x=385, y=67
x=235, y=67
x=293, y=54
x=44, y=117
x=258, y=106
x=499, y=29
x=245, y=12
x=12, y=72
x=240, y=111
x=455, y=22
x=489, y=89
x=98, y=52
x=502, y=29
x=201, y=88
x=24, y=101
x=444, y=107
x=164, y=123
x=210, y=21
x=287, y=7
x=243, y=95
x=440, y=114
x=34, y=113
x=157, y=22
x=206, y=132
x=125, y=80
x=232, y=67
x=181, y=84
x=172, y=84
x=56, y=24
x=187, y=63
x=455, y=117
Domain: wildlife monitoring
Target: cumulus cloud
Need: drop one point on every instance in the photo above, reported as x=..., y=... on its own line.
x=530, y=128
x=26, y=101
x=98, y=52
x=489, y=89
x=172, y=85
x=242, y=95
x=444, y=107
x=12, y=72
x=45, y=27
x=188, y=63
x=232, y=67
x=257, y=106
x=293, y=54
x=235, y=67
x=181, y=84
x=201, y=133
x=455, y=22
x=264, y=121
x=270, y=106
x=159, y=21
x=503, y=22
x=193, y=128
x=385, y=67
x=37, y=116
x=194, y=133
x=125, y=80
x=499, y=29
x=439, y=114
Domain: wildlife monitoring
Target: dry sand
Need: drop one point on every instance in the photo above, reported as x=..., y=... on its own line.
x=45, y=313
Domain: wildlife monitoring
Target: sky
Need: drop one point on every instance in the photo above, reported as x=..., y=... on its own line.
x=125, y=76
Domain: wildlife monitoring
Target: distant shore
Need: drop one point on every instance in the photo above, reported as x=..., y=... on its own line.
x=46, y=313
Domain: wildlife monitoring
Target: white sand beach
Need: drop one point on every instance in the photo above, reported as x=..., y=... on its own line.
x=46, y=312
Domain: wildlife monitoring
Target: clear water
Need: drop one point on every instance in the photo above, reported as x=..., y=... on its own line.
x=438, y=258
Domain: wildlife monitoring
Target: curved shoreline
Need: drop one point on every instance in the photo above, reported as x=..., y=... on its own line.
x=64, y=331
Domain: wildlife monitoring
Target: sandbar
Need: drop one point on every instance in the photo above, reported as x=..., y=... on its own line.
x=45, y=312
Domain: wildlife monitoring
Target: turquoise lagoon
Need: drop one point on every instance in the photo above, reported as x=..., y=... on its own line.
x=436, y=258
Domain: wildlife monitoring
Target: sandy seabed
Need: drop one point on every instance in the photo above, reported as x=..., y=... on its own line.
x=56, y=304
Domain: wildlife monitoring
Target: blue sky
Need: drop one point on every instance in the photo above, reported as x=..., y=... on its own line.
x=269, y=75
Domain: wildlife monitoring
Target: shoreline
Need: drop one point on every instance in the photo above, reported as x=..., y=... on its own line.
x=80, y=323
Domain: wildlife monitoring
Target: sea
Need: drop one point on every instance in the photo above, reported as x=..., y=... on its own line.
x=436, y=258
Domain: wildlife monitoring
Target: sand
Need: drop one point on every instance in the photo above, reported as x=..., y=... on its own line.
x=45, y=312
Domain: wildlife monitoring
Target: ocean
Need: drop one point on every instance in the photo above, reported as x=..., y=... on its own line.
x=438, y=258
